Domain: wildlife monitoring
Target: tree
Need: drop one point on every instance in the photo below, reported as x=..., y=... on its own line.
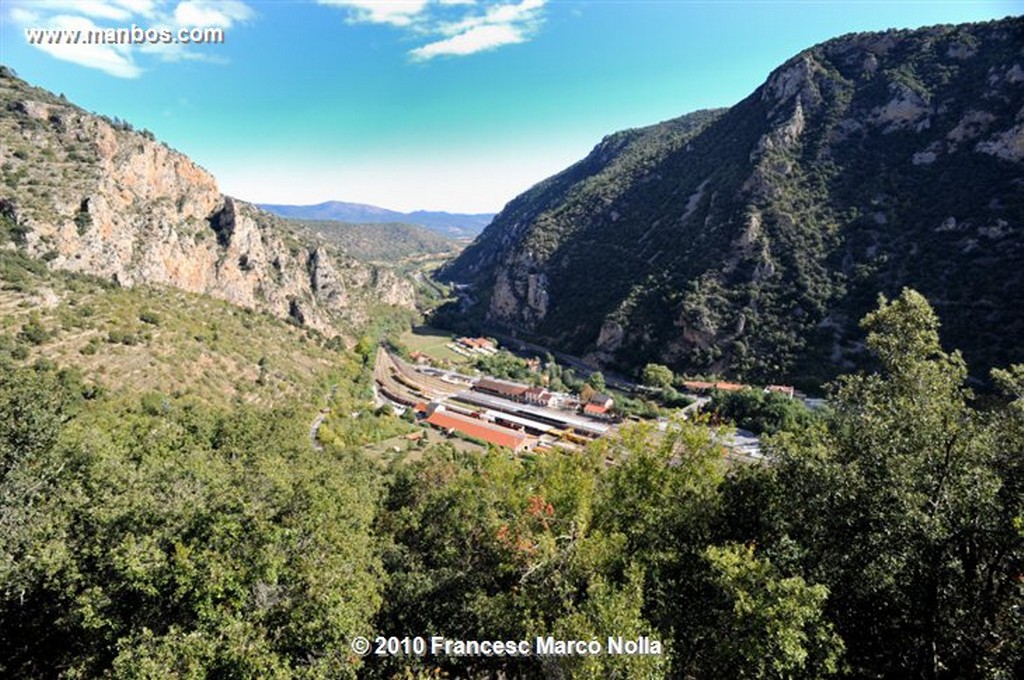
x=656, y=375
x=762, y=625
x=608, y=610
x=760, y=412
x=596, y=380
x=178, y=541
x=661, y=495
x=899, y=506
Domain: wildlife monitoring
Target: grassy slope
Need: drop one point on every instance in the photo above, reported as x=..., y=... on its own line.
x=197, y=347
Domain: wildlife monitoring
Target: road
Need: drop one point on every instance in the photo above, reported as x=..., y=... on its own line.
x=314, y=428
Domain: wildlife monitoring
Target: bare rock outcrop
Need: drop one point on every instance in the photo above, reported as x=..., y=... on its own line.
x=94, y=196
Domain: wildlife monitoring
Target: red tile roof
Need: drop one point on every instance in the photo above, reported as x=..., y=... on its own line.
x=493, y=434
x=595, y=409
x=724, y=386
x=476, y=342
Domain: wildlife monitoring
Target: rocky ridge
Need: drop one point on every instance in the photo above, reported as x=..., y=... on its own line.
x=749, y=241
x=91, y=195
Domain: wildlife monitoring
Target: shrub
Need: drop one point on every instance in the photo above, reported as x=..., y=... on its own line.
x=34, y=332
x=150, y=317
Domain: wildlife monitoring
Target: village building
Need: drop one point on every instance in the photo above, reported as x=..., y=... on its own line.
x=499, y=388
x=787, y=390
x=478, y=429
x=538, y=396
x=480, y=344
x=701, y=387
x=598, y=405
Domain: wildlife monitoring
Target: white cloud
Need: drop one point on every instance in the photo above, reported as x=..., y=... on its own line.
x=24, y=17
x=394, y=12
x=508, y=13
x=114, y=60
x=476, y=39
x=503, y=24
x=97, y=9
x=458, y=27
x=524, y=12
x=144, y=8
x=211, y=13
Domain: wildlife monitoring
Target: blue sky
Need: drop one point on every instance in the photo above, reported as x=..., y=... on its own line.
x=434, y=104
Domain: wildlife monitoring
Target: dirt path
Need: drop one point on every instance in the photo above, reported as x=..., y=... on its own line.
x=314, y=428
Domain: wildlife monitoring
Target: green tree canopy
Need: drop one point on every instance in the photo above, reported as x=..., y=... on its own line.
x=902, y=505
x=656, y=375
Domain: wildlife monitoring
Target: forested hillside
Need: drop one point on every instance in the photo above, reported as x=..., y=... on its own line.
x=389, y=242
x=174, y=539
x=749, y=241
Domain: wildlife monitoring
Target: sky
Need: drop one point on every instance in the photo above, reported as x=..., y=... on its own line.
x=456, y=105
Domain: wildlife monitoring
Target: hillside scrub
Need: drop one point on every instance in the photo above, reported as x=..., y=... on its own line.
x=170, y=537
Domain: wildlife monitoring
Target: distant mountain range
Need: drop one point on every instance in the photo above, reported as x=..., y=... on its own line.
x=452, y=225
x=750, y=241
x=386, y=242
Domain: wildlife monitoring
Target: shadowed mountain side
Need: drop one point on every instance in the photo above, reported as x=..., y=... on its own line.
x=749, y=241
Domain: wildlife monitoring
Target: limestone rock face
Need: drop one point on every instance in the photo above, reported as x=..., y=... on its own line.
x=94, y=196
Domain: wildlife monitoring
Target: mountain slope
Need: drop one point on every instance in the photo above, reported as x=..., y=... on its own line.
x=148, y=339
x=91, y=195
x=451, y=225
x=750, y=241
x=381, y=242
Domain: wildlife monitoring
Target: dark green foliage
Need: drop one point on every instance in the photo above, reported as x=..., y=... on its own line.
x=673, y=399
x=10, y=230
x=119, y=336
x=760, y=412
x=656, y=375
x=83, y=220
x=90, y=348
x=504, y=364
x=17, y=270
x=150, y=317
x=172, y=539
x=903, y=506
x=777, y=625
x=486, y=546
x=34, y=331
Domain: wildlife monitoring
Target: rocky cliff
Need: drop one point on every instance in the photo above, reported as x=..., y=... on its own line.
x=91, y=195
x=749, y=241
